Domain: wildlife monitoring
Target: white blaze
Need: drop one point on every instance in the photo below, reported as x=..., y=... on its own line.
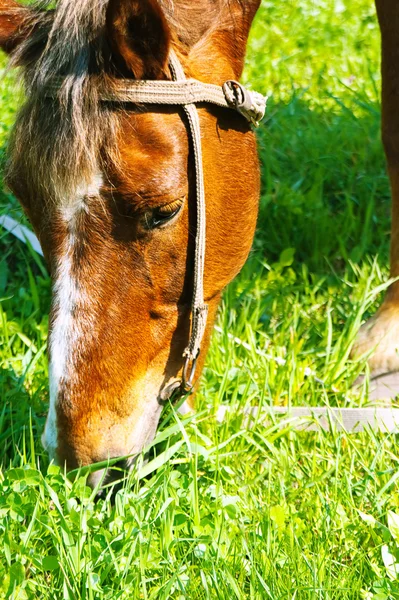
x=67, y=295
x=64, y=336
x=68, y=332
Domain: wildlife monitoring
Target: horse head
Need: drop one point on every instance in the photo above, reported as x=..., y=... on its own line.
x=110, y=191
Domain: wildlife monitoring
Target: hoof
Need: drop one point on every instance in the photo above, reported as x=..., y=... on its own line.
x=379, y=339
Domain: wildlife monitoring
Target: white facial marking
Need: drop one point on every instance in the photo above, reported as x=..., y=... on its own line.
x=78, y=204
x=92, y=189
x=67, y=295
x=67, y=335
x=64, y=336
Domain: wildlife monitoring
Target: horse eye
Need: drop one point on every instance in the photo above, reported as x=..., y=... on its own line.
x=163, y=214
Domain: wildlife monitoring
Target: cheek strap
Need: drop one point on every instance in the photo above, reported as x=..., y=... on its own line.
x=199, y=310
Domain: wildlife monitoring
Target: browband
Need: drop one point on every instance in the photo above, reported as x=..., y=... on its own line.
x=181, y=92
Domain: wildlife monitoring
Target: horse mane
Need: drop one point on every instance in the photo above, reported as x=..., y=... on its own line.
x=57, y=146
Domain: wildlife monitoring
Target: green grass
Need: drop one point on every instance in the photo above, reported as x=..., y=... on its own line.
x=237, y=511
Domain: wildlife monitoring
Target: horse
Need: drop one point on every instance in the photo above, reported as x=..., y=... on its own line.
x=109, y=188
x=113, y=190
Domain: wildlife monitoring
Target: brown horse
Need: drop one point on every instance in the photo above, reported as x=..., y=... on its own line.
x=382, y=331
x=109, y=191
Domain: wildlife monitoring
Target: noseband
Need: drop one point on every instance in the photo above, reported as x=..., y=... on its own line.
x=187, y=93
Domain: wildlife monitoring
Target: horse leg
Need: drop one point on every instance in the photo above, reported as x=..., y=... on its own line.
x=382, y=330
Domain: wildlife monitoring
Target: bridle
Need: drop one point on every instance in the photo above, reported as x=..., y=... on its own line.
x=187, y=93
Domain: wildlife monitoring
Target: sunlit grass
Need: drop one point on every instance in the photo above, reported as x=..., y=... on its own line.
x=225, y=510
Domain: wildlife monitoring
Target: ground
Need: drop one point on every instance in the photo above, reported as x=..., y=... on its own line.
x=224, y=510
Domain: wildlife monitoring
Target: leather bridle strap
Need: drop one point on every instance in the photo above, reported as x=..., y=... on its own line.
x=180, y=92
x=187, y=93
x=199, y=310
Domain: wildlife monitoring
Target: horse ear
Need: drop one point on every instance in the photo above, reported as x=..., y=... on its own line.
x=227, y=39
x=13, y=21
x=139, y=38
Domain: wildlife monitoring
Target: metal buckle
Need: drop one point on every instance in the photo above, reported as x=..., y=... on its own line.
x=189, y=369
x=245, y=102
x=177, y=389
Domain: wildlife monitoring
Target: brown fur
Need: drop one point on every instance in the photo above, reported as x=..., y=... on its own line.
x=133, y=330
x=13, y=25
x=380, y=335
x=388, y=14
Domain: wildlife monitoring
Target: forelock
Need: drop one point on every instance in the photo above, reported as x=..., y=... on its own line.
x=65, y=135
